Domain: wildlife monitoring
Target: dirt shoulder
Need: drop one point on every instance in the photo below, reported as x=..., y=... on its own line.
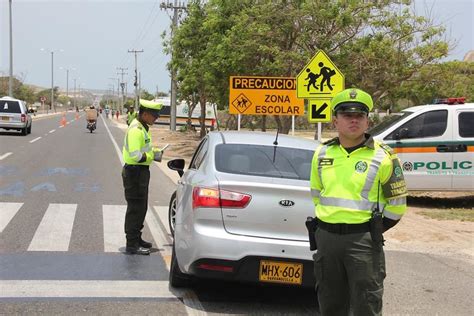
x=414, y=233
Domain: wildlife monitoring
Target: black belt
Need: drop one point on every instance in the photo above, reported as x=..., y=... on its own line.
x=127, y=166
x=344, y=229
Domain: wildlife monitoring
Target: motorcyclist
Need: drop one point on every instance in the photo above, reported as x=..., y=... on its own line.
x=91, y=116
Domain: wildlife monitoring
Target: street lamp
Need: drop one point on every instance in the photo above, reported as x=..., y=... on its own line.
x=52, y=75
x=10, y=80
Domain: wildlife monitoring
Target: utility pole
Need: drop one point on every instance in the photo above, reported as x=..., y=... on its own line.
x=136, y=75
x=122, y=84
x=177, y=7
x=52, y=81
x=10, y=80
x=75, y=107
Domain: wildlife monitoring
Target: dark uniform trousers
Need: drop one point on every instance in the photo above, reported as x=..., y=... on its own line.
x=349, y=273
x=136, y=179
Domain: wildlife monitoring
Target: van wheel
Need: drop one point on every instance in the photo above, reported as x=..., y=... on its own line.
x=176, y=277
x=24, y=131
x=172, y=213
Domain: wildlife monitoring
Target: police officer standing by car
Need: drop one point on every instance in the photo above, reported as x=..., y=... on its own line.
x=359, y=192
x=138, y=154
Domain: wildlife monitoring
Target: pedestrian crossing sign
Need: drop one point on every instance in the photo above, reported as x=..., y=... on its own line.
x=319, y=79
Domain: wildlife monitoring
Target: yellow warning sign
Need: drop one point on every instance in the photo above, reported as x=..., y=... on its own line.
x=319, y=79
x=319, y=110
x=264, y=96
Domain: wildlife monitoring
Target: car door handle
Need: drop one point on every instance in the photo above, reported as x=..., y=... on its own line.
x=442, y=148
x=461, y=148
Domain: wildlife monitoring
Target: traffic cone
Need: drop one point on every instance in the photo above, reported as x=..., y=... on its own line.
x=63, y=120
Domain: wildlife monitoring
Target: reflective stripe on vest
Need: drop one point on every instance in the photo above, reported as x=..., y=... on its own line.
x=137, y=154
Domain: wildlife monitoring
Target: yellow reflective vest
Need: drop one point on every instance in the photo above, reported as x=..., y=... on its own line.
x=345, y=186
x=136, y=143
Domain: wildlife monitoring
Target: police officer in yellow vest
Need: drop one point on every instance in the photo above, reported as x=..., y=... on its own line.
x=131, y=115
x=359, y=192
x=138, y=154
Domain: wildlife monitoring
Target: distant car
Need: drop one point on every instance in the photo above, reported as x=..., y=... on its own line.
x=239, y=211
x=14, y=115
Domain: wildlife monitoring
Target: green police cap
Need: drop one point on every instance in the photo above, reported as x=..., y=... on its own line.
x=352, y=100
x=151, y=105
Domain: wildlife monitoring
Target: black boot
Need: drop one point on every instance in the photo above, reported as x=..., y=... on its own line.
x=145, y=244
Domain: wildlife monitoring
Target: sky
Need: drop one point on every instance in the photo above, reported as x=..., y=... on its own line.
x=92, y=38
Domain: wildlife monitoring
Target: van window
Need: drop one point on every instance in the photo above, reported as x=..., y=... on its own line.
x=264, y=161
x=9, y=107
x=428, y=124
x=466, y=126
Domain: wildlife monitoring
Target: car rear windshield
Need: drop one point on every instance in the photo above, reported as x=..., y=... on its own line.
x=264, y=161
x=9, y=107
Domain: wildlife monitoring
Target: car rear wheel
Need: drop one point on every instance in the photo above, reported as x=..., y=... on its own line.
x=29, y=130
x=24, y=131
x=177, y=278
x=172, y=213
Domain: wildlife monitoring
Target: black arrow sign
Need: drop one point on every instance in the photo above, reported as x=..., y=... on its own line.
x=316, y=113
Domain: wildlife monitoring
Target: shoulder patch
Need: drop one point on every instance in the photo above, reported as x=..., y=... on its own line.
x=395, y=186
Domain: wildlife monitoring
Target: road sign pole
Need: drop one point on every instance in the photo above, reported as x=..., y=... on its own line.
x=293, y=125
x=238, y=122
x=320, y=128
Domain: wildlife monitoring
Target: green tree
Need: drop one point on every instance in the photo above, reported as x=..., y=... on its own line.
x=378, y=45
x=449, y=79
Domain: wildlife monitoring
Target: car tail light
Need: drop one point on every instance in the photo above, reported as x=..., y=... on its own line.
x=215, y=198
x=23, y=118
x=214, y=267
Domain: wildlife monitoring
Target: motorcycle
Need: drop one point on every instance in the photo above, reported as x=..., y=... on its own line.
x=91, y=126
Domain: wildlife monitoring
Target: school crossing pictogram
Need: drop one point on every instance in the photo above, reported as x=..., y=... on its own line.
x=319, y=79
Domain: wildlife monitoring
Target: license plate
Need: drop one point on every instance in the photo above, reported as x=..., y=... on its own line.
x=5, y=118
x=281, y=272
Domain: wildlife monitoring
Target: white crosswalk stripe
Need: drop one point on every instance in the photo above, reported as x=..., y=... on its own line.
x=54, y=231
x=7, y=212
x=114, y=219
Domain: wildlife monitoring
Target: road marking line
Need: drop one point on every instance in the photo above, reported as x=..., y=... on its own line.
x=119, y=152
x=84, y=288
x=34, y=140
x=114, y=220
x=5, y=156
x=54, y=231
x=52, y=131
x=7, y=212
x=61, y=126
x=159, y=236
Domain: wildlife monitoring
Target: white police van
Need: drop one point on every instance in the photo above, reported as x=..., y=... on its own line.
x=435, y=144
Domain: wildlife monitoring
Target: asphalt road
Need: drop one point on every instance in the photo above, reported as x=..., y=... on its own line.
x=61, y=241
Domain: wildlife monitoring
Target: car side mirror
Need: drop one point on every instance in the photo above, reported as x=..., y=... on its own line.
x=178, y=165
x=401, y=134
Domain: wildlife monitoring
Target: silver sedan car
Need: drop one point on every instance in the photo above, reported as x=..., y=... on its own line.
x=239, y=210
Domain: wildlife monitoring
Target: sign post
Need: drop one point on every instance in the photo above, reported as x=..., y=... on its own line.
x=319, y=81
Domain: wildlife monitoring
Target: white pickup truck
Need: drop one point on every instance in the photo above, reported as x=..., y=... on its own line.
x=435, y=144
